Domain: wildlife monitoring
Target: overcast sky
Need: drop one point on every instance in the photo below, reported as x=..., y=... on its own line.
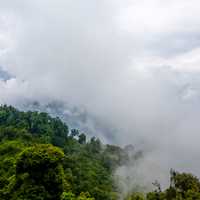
x=134, y=64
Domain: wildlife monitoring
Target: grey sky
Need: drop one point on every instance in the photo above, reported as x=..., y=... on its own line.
x=133, y=64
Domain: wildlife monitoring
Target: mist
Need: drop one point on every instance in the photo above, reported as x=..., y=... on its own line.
x=132, y=67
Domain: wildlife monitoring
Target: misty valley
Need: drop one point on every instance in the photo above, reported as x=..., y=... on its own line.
x=99, y=99
x=41, y=159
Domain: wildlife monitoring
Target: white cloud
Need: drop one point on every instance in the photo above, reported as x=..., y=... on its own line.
x=157, y=16
x=189, y=62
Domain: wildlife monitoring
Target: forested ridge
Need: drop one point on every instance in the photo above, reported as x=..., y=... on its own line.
x=40, y=158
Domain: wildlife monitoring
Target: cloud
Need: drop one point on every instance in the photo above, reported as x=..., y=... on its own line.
x=132, y=65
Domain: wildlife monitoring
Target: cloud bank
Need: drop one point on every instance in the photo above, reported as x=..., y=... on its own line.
x=133, y=65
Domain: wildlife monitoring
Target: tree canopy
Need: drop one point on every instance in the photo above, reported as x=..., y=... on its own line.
x=41, y=159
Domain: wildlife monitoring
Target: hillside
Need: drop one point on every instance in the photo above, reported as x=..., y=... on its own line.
x=87, y=163
x=40, y=158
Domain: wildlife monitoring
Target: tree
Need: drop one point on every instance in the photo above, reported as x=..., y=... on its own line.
x=183, y=186
x=74, y=133
x=184, y=182
x=71, y=196
x=39, y=174
x=82, y=138
x=94, y=146
x=136, y=196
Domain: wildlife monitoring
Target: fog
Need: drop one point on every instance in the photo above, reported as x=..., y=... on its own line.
x=133, y=66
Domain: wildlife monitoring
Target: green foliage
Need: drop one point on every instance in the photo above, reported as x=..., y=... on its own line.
x=94, y=146
x=68, y=196
x=82, y=138
x=31, y=170
x=183, y=186
x=71, y=196
x=114, y=156
x=184, y=182
x=85, y=196
x=136, y=196
x=86, y=173
x=8, y=152
x=39, y=171
x=50, y=130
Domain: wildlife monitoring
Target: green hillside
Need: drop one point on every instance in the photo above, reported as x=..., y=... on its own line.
x=41, y=159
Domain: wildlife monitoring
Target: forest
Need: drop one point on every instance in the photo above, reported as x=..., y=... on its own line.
x=41, y=159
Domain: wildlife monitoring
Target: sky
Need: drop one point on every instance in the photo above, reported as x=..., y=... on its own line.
x=134, y=65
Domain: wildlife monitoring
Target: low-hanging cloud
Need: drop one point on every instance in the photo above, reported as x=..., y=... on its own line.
x=133, y=65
